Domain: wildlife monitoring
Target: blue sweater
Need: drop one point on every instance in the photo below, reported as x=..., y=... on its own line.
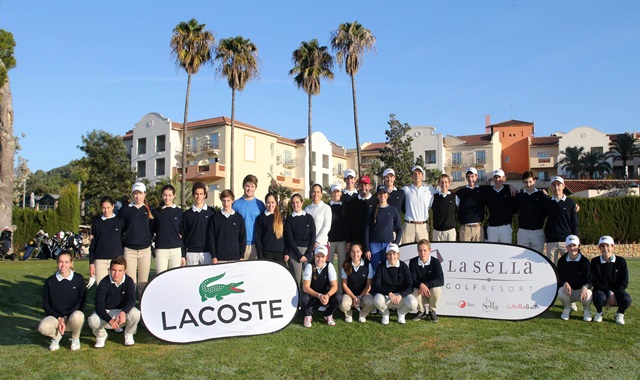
x=194, y=230
x=106, y=243
x=62, y=298
x=166, y=227
x=380, y=226
x=137, y=230
x=227, y=239
x=249, y=211
x=109, y=296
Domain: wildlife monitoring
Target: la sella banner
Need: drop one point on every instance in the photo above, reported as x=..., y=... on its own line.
x=493, y=281
x=193, y=304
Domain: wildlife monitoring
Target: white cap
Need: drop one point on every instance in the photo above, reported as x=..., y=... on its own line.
x=572, y=239
x=499, y=173
x=558, y=179
x=393, y=247
x=472, y=170
x=349, y=173
x=388, y=171
x=336, y=186
x=321, y=249
x=606, y=240
x=417, y=167
x=139, y=186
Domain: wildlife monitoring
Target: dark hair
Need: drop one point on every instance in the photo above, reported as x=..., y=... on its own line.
x=297, y=195
x=168, y=187
x=250, y=178
x=107, y=198
x=199, y=185
x=227, y=194
x=528, y=174
x=120, y=260
x=317, y=184
x=348, y=263
x=66, y=252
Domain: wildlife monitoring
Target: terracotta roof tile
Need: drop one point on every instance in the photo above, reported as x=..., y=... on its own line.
x=577, y=185
x=374, y=147
x=475, y=139
x=511, y=123
x=551, y=140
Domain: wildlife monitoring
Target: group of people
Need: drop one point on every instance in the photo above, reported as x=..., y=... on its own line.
x=362, y=230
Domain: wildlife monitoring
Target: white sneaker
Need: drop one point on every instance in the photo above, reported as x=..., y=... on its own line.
x=75, y=344
x=330, y=320
x=565, y=314
x=574, y=307
x=586, y=316
x=128, y=340
x=598, y=317
x=100, y=341
x=55, y=344
x=362, y=319
x=385, y=317
x=348, y=319
x=307, y=321
x=401, y=319
x=620, y=319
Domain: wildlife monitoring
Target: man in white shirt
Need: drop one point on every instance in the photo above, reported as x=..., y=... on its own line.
x=417, y=201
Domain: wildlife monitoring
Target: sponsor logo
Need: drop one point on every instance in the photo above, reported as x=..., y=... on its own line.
x=520, y=306
x=218, y=291
x=489, y=306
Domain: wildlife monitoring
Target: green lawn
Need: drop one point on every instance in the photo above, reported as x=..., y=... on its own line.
x=542, y=348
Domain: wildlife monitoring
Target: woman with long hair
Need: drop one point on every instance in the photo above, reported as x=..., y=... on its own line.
x=319, y=287
x=356, y=277
x=300, y=238
x=166, y=228
x=270, y=231
x=382, y=223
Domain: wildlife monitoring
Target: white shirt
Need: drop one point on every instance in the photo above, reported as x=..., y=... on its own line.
x=322, y=215
x=107, y=217
x=393, y=266
x=417, y=201
x=227, y=214
x=124, y=277
x=561, y=199
x=343, y=274
x=603, y=261
x=444, y=195
x=298, y=213
x=172, y=206
x=576, y=259
x=308, y=271
x=195, y=209
x=68, y=278
x=422, y=265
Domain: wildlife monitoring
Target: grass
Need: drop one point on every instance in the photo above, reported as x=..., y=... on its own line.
x=455, y=348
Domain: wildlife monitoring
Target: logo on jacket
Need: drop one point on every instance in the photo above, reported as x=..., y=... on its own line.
x=218, y=291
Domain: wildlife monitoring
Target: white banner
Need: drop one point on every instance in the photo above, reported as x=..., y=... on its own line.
x=493, y=281
x=197, y=303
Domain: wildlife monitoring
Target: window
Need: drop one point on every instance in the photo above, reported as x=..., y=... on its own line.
x=249, y=148
x=543, y=158
x=457, y=176
x=191, y=145
x=456, y=158
x=340, y=169
x=142, y=146
x=271, y=169
x=160, y=167
x=142, y=168
x=313, y=159
x=325, y=180
x=482, y=175
x=160, y=143
x=325, y=161
x=273, y=149
x=481, y=157
x=129, y=148
x=597, y=149
x=543, y=176
x=429, y=156
x=313, y=177
x=506, y=159
x=213, y=140
x=214, y=187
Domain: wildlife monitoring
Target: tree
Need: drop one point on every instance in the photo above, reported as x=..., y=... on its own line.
x=191, y=46
x=312, y=62
x=624, y=149
x=397, y=154
x=239, y=64
x=350, y=41
x=374, y=169
x=176, y=185
x=595, y=162
x=7, y=140
x=108, y=169
x=69, y=208
x=571, y=160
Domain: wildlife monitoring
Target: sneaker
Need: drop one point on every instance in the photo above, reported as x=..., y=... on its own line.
x=75, y=344
x=433, y=317
x=374, y=311
x=586, y=316
x=385, y=317
x=574, y=307
x=565, y=314
x=598, y=317
x=55, y=344
x=401, y=319
x=419, y=316
x=348, y=319
x=362, y=319
x=620, y=319
x=322, y=308
x=128, y=340
x=100, y=341
x=330, y=320
x=307, y=321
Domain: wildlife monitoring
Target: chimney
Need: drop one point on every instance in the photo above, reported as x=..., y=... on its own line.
x=487, y=123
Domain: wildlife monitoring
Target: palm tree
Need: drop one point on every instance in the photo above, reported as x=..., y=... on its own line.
x=572, y=160
x=595, y=162
x=239, y=64
x=312, y=62
x=7, y=140
x=624, y=148
x=191, y=45
x=350, y=41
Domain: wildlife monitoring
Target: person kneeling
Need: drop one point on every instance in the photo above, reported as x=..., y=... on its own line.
x=319, y=286
x=574, y=276
x=610, y=279
x=356, y=276
x=115, y=305
x=428, y=279
x=63, y=297
x=393, y=284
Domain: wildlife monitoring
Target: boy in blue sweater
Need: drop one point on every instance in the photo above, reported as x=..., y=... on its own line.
x=249, y=207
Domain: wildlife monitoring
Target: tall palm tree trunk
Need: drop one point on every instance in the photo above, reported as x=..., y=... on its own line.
x=233, y=137
x=183, y=198
x=355, y=122
x=7, y=151
x=310, y=181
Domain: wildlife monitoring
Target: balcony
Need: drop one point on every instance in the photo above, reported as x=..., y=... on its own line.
x=454, y=163
x=479, y=162
x=542, y=162
x=211, y=149
x=209, y=172
x=293, y=183
x=289, y=163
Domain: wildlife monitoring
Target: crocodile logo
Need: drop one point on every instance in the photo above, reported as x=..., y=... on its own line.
x=218, y=291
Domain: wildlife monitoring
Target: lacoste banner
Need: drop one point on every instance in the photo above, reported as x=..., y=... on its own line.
x=196, y=303
x=493, y=281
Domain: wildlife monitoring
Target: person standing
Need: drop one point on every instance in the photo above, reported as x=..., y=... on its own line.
x=249, y=207
x=106, y=240
x=321, y=213
x=610, y=280
x=417, y=201
x=574, y=279
x=167, y=221
x=382, y=227
x=300, y=238
x=63, y=298
x=531, y=206
x=501, y=206
x=227, y=233
x=195, y=223
x=337, y=234
x=137, y=236
x=444, y=206
x=350, y=192
x=562, y=220
x=357, y=211
x=270, y=241
x=396, y=196
x=471, y=208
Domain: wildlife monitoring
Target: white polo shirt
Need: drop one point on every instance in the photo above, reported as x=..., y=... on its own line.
x=417, y=201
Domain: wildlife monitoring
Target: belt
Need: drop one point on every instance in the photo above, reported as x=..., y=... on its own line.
x=412, y=222
x=472, y=224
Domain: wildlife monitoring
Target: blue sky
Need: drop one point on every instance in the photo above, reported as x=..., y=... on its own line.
x=84, y=65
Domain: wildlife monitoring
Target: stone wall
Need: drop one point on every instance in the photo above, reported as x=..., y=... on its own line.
x=624, y=250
